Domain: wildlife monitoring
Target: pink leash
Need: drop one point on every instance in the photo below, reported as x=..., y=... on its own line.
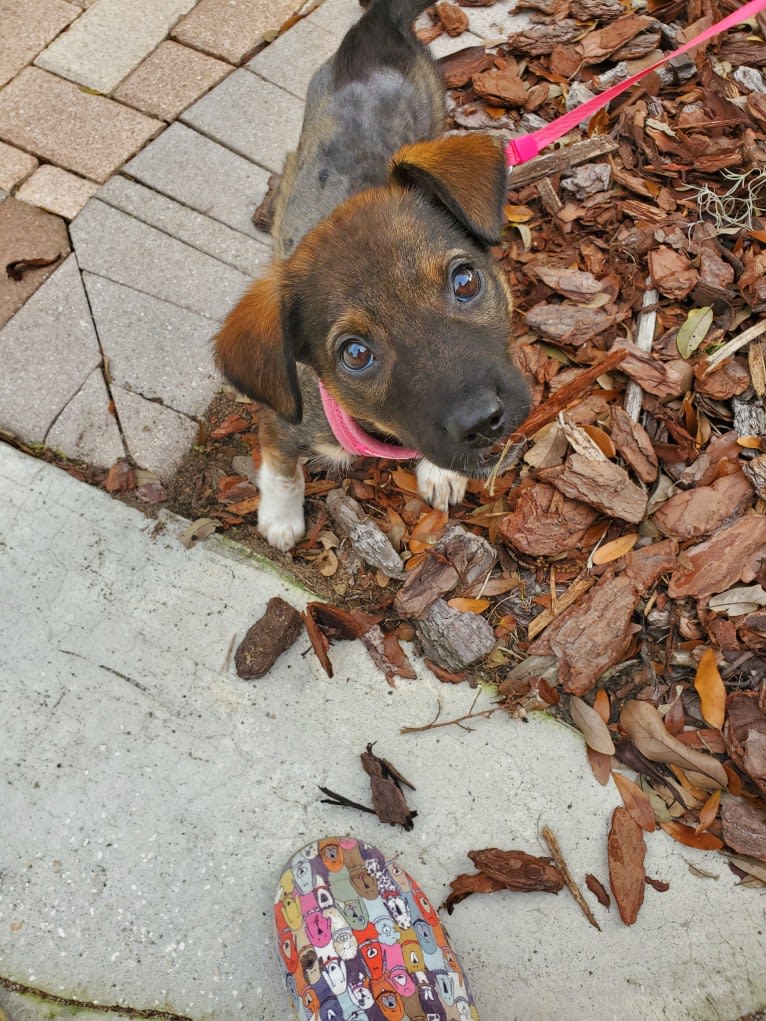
x=519, y=150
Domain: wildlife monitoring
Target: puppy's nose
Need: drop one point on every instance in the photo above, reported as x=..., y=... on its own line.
x=478, y=423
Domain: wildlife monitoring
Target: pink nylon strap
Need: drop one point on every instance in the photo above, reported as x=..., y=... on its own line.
x=353, y=438
x=519, y=150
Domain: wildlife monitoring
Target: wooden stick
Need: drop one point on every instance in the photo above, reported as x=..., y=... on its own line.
x=732, y=346
x=554, y=162
x=634, y=395
x=574, y=889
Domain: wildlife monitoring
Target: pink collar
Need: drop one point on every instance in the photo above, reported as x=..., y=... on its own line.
x=353, y=438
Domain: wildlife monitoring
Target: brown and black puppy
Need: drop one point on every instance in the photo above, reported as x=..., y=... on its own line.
x=383, y=288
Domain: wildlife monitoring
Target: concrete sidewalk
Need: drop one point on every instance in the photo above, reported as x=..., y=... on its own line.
x=150, y=797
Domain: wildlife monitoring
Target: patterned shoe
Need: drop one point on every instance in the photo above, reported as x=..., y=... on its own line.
x=359, y=940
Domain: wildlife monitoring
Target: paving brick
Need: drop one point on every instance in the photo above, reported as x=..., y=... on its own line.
x=336, y=16
x=15, y=166
x=157, y=437
x=170, y=79
x=27, y=28
x=112, y=244
x=291, y=60
x=57, y=190
x=61, y=123
x=110, y=40
x=27, y=233
x=224, y=185
x=47, y=351
x=230, y=246
x=155, y=349
x=253, y=117
x=232, y=29
x=87, y=429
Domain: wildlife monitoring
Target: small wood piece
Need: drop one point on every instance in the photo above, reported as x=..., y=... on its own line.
x=452, y=639
x=368, y=541
x=457, y=562
x=563, y=159
x=574, y=889
x=267, y=639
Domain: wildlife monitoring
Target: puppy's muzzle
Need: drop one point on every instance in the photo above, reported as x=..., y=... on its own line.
x=478, y=424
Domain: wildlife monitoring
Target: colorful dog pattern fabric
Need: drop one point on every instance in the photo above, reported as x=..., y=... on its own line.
x=360, y=941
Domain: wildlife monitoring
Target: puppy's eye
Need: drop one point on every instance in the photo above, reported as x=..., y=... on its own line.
x=355, y=355
x=466, y=282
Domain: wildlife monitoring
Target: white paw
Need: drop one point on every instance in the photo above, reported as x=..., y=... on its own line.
x=280, y=513
x=439, y=486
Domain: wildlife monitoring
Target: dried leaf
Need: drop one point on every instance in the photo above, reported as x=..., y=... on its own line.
x=708, y=812
x=598, y=890
x=644, y=726
x=615, y=549
x=711, y=690
x=199, y=529
x=626, y=851
x=689, y=838
x=591, y=726
x=636, y=802
x=469, y=605
x=694, y=330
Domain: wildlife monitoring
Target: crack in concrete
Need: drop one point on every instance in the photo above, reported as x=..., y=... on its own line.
x=103, y=1008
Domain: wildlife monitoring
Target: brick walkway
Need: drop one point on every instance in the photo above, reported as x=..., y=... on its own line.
x=136, y=140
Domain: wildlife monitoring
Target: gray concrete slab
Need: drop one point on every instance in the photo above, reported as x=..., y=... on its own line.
x=86, y=429
x=336, y=16
x=110, y=243
x=247, y=254
x=252, y=117
x=47, y=351
x=293, y=57
x=154, y=796
x=156, y=437
x=223, y=186
x=156, y=349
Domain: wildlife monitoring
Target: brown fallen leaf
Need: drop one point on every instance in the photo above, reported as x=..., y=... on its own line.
x=121, y=478
x=626, y=851
x=687, y=836
x=386, y=785
x=267, y=639
x=615, y=549
x=197, y=530
x=636, y=802
x=734, y=553
x=643, y=724
x=19, y=267
x=603, y=485
x=591, y=726
x=711, y=690
x=387, y=654
x=598, y=890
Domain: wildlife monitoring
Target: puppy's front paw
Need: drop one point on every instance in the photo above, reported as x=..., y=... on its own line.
x=439, y=486
x=280, y=514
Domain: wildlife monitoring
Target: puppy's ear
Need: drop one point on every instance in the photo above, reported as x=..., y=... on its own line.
x=466, y=173
x=253, y=352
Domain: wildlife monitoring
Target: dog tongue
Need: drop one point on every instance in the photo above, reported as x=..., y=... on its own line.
x=353, y=438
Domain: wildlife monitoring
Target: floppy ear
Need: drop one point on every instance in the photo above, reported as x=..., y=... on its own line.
x=253, y=352
x=466, y=173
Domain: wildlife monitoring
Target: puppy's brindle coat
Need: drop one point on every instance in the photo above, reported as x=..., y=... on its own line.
x=383, y=286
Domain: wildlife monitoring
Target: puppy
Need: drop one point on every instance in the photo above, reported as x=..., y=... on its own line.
x=383, y=326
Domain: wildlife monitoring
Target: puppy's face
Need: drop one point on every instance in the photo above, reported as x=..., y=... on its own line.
x=406, y=319
x=396, y=303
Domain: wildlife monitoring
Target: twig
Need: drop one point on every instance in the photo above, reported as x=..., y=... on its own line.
x=634, y=395
x=458, y=721
x=102, y=1008
x=563, y=602
x=341, y=802
x=549, y=410
x=732, y=346
x=574, y=889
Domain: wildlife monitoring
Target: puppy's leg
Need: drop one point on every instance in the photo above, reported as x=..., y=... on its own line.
x=439, y=486
x=280, y=513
